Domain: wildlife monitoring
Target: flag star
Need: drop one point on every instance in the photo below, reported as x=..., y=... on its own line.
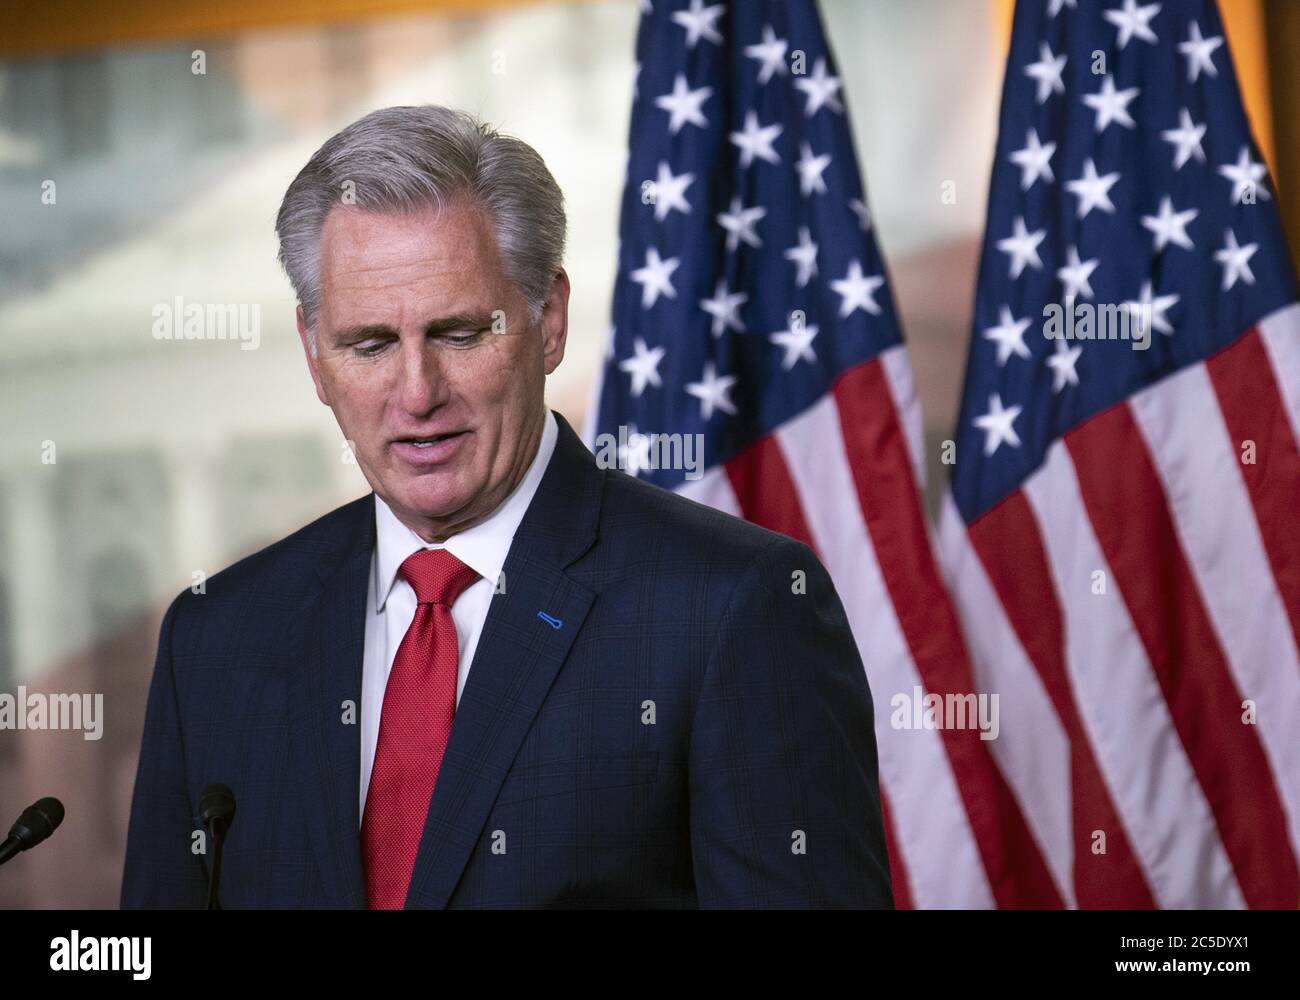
x=655, y=278
x=643, y=366
x=1111, y=105
x=645, y=6
x=1153, y=309
x=634, y=453
x=636, y=79
x=1170, y=226
x=724, y=307
x=1091, y=190
x=1199, y=52
x=1133, y=20
x=756, y=140
x=699, y=22
x=820, y=89
x=1187, y=137
x=1245, y=175
x=811, y=169
x=1236, y=261
x=712, y=391
x=857, y=291
x=1062, y=364
x=797, y=341
x=997, y=425
x=1033, y=160
x=771, y=52
x=1047, y=71
x=863, y=213
x=1022, y=245
x=739, y=224
x=1009, y=335
x=1054, y=6
x=669, y=192
x=609, y=342
x=683, y=104
x=1075, y=274
x=805, y=256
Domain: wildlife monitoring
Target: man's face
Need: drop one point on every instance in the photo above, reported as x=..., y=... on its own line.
x=422, y=338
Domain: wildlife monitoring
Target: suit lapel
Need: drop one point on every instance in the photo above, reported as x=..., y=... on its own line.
x=518, y=655
x=329, y=747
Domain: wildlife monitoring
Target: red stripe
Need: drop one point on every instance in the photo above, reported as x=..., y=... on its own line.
x=897, y=867
x=1009, y=544
x=767, y=496
x=1128, y=509
x=891, y=507
x=765, y=490
x=1251, y=402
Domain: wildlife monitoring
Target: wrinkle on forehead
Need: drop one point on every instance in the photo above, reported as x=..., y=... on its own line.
x=446, y=253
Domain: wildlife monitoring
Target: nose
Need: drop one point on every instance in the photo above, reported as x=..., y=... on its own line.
x=421, y=386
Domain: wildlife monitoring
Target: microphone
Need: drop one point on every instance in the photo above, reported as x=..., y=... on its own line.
x=36, y=823
x=217, y=811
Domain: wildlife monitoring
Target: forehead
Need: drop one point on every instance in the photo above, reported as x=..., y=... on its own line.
x=448, y=246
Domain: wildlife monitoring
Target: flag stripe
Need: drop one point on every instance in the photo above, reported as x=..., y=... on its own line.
x=1032, y=751
x=1252, y=407
x=1127, y=720
x=886, y=490
x=902, y=387
x=1009, y=546
x=1139, y=541
x=914, y=766
x=898, y=877
x=1197, y=463
x=1280, y=332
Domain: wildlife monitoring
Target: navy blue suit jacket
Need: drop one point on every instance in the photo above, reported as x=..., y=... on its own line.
x=696, y=730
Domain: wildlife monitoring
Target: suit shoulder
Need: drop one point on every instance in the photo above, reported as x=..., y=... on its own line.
x=287, y=568
x=632, y=506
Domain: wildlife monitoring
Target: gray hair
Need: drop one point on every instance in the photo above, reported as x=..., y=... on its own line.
x=409, y=158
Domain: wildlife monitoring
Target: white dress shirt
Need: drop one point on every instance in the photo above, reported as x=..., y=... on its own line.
x=391, y=603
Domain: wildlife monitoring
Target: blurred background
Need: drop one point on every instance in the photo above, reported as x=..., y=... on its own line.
x=144, y=149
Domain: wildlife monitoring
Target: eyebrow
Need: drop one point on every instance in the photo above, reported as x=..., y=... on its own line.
x=456, y=321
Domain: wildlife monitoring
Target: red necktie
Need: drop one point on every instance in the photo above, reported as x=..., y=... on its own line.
x=419, y=704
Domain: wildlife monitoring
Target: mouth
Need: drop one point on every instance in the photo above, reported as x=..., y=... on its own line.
x=429, y=449
x=430, y=441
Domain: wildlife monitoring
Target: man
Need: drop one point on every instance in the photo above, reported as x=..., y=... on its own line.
x=507, y=677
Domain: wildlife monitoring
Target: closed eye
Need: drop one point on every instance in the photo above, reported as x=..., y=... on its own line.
x=462, y=339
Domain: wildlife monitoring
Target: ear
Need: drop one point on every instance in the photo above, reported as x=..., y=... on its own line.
x=555, y=321
x=313, y=362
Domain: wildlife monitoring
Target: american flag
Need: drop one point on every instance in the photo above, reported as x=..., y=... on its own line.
x=752, y=307
x=1120, y=536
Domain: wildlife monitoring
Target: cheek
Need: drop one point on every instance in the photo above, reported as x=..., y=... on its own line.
x=358, y=394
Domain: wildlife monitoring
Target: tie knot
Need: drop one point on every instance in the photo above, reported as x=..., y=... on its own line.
x=437, y=576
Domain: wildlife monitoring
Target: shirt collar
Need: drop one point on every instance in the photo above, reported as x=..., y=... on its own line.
x=483, y=547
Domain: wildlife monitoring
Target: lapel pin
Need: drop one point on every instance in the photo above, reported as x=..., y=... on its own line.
x=553, y=622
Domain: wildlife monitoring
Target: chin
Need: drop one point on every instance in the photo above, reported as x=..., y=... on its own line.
x=426, y=498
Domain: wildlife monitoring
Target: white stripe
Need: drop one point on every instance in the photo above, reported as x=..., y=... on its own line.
x=1123, y=709
x=713, y=489
x=1033, y=749
x=898, y=371
x=939, y=850
x=1280, y=332
x=1198, y=464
